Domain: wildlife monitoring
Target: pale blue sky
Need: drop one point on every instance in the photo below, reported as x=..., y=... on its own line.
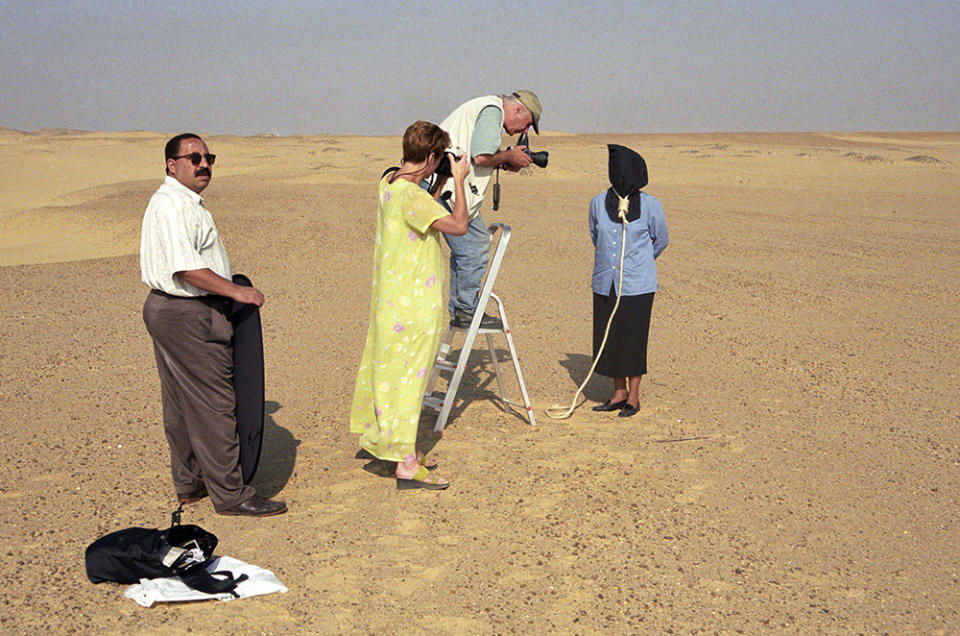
x=244, y=67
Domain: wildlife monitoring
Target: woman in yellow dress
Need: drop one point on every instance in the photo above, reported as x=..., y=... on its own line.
x=406, y=305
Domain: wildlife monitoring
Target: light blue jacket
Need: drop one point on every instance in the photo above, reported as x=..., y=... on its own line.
x=646, y=239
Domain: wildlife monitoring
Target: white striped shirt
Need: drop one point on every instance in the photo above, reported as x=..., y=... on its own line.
x=178, y=234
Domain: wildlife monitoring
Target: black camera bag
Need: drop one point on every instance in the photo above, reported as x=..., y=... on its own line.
x=128, y=555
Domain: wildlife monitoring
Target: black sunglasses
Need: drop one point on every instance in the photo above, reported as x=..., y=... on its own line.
x=195, y=158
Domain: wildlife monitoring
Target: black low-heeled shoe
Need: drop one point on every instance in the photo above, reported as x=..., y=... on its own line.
x=607, y=406
x=628, y=410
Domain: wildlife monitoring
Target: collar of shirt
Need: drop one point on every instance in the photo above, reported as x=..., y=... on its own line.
x=179, y=187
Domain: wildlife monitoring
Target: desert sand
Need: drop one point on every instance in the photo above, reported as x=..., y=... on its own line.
x=795, y=466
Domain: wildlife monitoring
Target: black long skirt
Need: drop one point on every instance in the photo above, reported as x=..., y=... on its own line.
x=625, y=353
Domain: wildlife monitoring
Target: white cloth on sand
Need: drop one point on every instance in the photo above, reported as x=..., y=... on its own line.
x=172, y=589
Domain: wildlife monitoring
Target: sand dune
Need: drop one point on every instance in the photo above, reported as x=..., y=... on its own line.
x=805, y=338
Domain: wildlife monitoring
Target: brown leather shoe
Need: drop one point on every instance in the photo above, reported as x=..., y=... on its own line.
x=192, y=497
x=256, y=506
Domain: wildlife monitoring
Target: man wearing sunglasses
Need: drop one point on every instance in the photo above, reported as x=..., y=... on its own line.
x=475, y=128
x=186, y=312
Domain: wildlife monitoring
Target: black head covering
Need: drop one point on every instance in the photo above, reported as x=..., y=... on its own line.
x=628, y=173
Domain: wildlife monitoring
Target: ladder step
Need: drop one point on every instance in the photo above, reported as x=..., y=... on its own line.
x=481, y=330
x=432, y=402
x=446, y=366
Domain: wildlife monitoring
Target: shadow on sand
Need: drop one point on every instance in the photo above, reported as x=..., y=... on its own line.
x=479, y=383
x=277, y=457
x=598, y=389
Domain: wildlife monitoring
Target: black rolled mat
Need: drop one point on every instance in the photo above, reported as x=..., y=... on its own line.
x=248, y=382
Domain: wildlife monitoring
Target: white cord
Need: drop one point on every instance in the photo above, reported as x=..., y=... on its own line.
x=552, y=412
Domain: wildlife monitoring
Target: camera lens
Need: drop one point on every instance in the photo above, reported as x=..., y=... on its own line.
x=540, y=158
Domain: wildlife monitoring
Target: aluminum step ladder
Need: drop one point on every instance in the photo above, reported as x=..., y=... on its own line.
x=445, y=403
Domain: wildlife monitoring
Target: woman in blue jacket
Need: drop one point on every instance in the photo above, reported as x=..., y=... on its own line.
x=624, y=357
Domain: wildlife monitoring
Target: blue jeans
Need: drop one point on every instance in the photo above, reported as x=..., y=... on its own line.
x=469, y=255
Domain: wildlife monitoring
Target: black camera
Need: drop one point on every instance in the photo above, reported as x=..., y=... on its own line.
x=443, y=168
x=538, y=158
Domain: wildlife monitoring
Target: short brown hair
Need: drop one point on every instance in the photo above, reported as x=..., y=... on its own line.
x=423, y=138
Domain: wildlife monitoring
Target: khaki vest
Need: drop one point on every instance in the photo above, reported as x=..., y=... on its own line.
x=459, y=125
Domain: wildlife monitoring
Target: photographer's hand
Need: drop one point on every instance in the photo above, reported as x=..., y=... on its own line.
x=460, y=168
x=513, y=159
x=457, y=222
x=517, y=159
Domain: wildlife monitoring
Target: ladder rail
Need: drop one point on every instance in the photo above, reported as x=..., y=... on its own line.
x=515, y=358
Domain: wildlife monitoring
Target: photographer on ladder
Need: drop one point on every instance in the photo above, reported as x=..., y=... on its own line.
x=475, y=129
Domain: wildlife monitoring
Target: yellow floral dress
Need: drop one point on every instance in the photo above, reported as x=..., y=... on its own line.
x=406, y=317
